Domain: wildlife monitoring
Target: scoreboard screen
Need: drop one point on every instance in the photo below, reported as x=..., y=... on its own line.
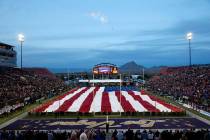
x=105, y=69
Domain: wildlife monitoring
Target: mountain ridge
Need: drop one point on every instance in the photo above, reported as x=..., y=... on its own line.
x=133, y=67
x=129, y=67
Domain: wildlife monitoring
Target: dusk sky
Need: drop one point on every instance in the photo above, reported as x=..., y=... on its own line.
x=82, y=33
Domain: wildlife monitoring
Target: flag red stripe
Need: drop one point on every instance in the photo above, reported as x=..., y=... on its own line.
x=127, y=107
x=105, y=105
x=145, y=104
x=173, y=108
x=85, y=107
x=46, y=105
x=65, y=106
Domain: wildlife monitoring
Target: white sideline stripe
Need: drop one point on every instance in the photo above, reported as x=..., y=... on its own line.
x=97, y=100
x=56, y=104
x=135, y=104
x=159, y=106
x=79, y=101
x=115, y=104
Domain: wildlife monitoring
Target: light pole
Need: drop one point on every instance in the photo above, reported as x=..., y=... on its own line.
x=120, y=92
x=189, y=38
x=143, y=77
x=21, y=40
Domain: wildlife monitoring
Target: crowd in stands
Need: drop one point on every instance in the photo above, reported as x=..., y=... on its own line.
x=53, y=135
x=19, y=87
x=188, y=84
x=102, y=135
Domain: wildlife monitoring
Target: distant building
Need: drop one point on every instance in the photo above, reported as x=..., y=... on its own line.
x=8, y=56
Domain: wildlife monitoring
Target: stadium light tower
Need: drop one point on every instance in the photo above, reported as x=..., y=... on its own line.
x=21, y=40
x=189, y=38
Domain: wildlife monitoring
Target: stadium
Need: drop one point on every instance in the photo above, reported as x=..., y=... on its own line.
x=75, y=73
x=104, y=101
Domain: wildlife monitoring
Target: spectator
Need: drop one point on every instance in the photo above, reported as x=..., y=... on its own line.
x=144, y=135
x=83, y=136
x=129, y=135
x=120, y=135
x=157, y=135
x=150, y=135
x=50, y=135
x=164, y=135
x=138, y=135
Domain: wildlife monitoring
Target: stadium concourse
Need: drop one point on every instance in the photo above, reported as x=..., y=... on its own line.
x=107, y=99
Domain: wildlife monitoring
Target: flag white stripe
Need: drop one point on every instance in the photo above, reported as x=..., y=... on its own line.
x=159, y=106
x=115, y=104
x=58, y=103
x=79, y=101
x=97, y=100
x=135, y=104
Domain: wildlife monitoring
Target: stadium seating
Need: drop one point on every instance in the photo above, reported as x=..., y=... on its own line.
x=189, y=85
x=19, y=87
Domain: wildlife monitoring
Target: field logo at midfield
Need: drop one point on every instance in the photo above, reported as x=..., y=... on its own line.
x=112, y=123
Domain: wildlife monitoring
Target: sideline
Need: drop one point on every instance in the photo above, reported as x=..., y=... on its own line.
x=188, y=111
x=198, y=117
x=26, y=109
x=21, y=116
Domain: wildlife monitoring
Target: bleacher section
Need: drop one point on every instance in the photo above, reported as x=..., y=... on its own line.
x=19, y=87
x=188, y=85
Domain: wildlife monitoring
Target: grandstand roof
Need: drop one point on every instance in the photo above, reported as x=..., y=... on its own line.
x=7, y=45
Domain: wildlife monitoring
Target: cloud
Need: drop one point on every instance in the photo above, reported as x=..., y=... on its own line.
x=99, y=16
x=200, y=27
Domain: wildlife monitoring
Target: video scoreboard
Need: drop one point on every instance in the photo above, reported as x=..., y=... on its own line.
x=105, y=68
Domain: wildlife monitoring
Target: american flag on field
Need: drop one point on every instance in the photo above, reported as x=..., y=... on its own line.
x=109, y=99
